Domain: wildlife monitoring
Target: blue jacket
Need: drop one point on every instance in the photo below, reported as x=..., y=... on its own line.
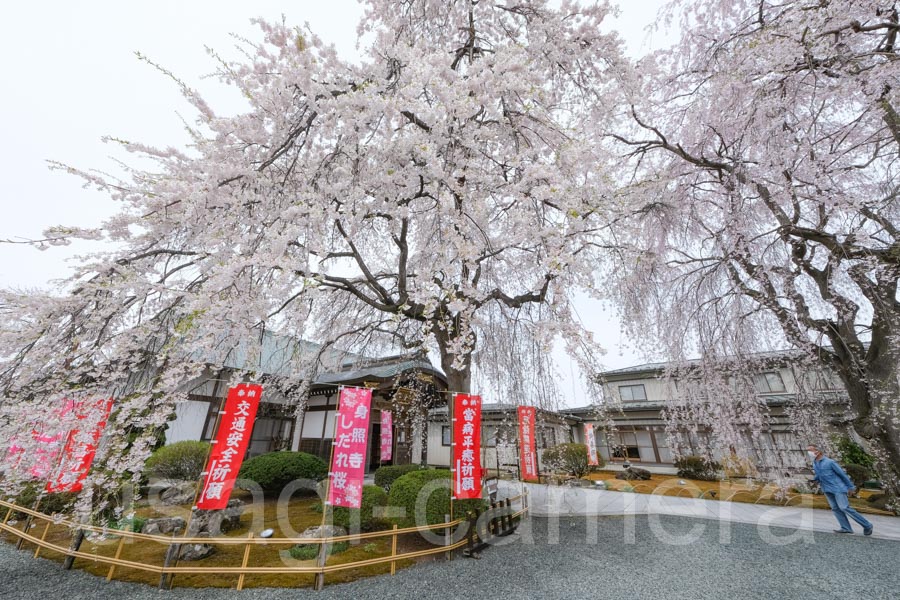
x=831, y=477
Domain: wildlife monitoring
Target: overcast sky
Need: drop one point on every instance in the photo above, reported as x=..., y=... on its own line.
x=72, y=77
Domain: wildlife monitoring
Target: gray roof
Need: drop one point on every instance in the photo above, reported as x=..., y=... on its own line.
x=281, y=355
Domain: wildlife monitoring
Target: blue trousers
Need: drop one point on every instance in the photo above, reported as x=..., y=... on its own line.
x=840, y=506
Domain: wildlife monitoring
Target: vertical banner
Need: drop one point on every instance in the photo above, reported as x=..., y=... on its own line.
x=48, y=436
x=348, y=461
x=466, y=447
x=591, y=443
x=526, y=443
x=81, y=446
x=232, y=439
x=387, y=435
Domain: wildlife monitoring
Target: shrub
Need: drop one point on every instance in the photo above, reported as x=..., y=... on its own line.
x=405, y=491
x=311, y=551
x=179, y=461
x=372, y=496
x=50, y=503
x=851, y=453
x=386, y=476
x=858, y=474
x=569, y=458
x=697, y=467
x=273, y=471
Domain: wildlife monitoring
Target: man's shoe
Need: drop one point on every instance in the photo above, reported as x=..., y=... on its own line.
x=868, y=531
x=843, y=531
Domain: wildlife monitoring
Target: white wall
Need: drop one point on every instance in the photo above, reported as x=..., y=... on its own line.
x=188, y=424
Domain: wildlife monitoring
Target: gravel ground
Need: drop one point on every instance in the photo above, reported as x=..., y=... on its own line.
x=608, y=557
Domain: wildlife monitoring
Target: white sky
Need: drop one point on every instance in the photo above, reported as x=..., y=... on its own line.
x=72, y=77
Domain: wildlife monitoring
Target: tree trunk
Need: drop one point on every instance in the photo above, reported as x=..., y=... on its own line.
x=873, y=395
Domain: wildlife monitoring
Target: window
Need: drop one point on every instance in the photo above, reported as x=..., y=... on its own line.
x=445, y=435
x=632, y=392
x=769, y=382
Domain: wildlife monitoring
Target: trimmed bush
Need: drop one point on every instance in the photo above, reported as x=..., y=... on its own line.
x=851, y=453
x=181, y=461
x=697, y=467
x=405, y=492
x=273, y=471
x=50, y=503
x=386, y=476
x=311, y=551
x=569, y=458
x=372, y=496
x=858, y=474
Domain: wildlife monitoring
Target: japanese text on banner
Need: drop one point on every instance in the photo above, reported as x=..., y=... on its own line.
x=466, y=447
x=387, y=435
x=591, y=443
x=526, y=443
x=78, y=453
x=232, y=439
x=348, y=463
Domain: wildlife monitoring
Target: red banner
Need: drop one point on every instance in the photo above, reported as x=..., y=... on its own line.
x=466, y=465
x=232, y=439
x=78, y=454
x=387, y=435
x=348, y=462
x=527, y=458
x=591, y=443
x=48, y=437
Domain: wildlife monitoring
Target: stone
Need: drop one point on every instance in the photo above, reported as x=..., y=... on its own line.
x=216, y=522
x=634, y=473
x=182, y=492
x=191, y=552
x=163, y=526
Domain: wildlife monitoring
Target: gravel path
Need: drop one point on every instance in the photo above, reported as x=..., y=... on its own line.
x=574, y=558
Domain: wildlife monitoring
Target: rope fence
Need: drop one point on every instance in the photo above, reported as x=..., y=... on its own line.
x=499, y=520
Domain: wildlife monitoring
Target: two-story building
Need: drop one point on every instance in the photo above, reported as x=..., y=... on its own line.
x=641, y=426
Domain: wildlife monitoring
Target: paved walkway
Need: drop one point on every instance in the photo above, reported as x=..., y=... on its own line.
x=557, y=501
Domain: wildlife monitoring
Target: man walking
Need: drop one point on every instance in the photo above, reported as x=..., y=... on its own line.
x=836, y=486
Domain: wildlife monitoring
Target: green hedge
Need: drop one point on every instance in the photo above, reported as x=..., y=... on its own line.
x=699, y=468
x=179, y=461
x=405, y=491
x=386, y=476
x=570, y=458
x=273, y=471
x=858, y=474
x=372, y=497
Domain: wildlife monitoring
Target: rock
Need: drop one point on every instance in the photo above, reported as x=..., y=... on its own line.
x=319, y=531
x=216, y=522
x=195, y=551
x=323, y=531
x=182, y=492
x=634, y=473
x=163, y=526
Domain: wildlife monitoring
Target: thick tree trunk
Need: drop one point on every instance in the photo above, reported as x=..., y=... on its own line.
x=873, y=395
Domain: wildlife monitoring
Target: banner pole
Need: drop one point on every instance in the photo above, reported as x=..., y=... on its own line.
x=199, y=487
x=323, y=547
x=519, y=449
x=450, y=404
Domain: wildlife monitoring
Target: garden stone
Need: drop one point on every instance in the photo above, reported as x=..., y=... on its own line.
x=191, y=552
x=634, y=473
x=182, y=492
x=216, y=522
x=163, y=526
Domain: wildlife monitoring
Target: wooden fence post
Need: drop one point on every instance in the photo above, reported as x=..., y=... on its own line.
x=112, y=568
x=244, y=563
x=37, y=550
x=447, y=537
x=321, y=561
x=170, y=554
x=394, y=550
x=73, y=547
